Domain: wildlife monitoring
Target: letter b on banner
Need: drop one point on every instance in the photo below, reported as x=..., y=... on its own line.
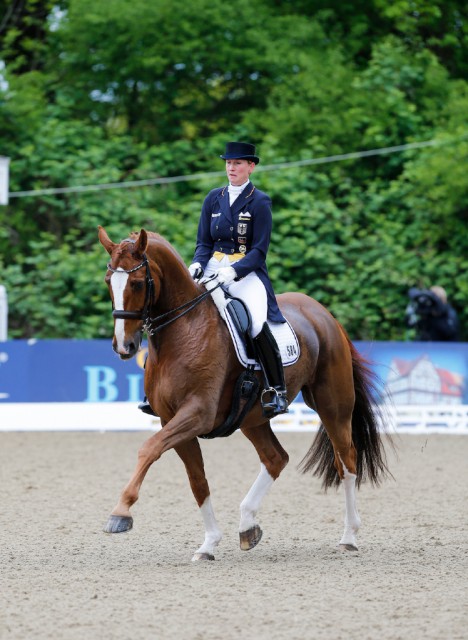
x=101, y=387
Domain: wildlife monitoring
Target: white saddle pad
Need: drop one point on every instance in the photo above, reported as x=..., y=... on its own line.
x=283, y=332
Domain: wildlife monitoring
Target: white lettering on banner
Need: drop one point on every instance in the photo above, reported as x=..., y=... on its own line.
x=135, y=391
x=101, y=379
x=101, y=385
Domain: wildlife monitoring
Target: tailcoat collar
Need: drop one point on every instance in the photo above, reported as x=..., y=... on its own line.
x=241, y=200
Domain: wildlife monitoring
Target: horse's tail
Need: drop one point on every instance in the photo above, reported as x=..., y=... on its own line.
x=371, y=460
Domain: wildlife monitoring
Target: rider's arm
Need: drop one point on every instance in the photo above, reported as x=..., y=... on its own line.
x=205, y=243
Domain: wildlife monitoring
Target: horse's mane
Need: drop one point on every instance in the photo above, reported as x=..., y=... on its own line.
x=158, y=245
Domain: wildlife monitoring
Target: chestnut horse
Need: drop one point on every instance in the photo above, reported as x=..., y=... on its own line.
x=191, y=371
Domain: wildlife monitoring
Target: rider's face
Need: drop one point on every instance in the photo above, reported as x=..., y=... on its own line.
x=238, y=171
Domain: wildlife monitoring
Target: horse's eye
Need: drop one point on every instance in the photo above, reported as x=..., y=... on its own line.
x=107, y=279
x=137, y=285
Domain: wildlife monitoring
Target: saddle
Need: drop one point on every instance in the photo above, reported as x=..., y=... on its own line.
x=237, y=318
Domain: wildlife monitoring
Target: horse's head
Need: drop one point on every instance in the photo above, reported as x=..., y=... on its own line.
x=131, y=289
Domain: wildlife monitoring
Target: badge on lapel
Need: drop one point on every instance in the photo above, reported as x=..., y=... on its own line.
x=242, y=228
x=244, y=215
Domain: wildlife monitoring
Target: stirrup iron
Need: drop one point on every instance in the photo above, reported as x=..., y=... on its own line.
x=276, y=404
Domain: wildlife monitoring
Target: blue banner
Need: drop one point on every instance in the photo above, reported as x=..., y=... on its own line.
x=89, y=371
x=68, y=371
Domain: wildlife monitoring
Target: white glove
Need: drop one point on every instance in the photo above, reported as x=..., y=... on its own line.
x=226, y=275
x=196, y=270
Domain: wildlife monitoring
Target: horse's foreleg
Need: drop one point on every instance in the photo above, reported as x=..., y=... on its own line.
x=120, y=519
x=191, y=455
x=183, y=427
x=273, y=459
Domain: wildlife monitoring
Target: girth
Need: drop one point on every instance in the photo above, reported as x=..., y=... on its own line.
x=244, y=397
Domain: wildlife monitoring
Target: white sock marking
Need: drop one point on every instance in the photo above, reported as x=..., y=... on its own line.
x=213, y=534
x=252, y=501
x=352, y=519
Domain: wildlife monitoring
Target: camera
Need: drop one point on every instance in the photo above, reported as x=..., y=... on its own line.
x=422, y=305
x=429, y=314
x=424, y=302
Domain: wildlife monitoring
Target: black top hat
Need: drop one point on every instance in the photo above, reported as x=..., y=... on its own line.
x=240, y=151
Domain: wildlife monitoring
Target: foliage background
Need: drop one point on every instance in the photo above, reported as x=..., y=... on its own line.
x=105, y=91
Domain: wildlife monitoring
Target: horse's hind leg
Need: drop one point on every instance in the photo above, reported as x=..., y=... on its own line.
x=333, y=454
x=273, y=459
x=191, y=456
x=352, y=519
x=336, y=414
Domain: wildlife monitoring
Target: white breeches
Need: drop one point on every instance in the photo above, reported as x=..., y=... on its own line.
x=250, y=290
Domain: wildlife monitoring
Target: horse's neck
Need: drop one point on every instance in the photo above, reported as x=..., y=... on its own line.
x=176, y=290
x=176, y=285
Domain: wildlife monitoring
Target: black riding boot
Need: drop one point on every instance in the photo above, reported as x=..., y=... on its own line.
x=146, y=407
x=274, y=399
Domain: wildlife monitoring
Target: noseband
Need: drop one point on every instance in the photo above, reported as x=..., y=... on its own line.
x=150, y=324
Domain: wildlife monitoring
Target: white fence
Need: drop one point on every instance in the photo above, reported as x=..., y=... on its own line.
x=124, y=416
x=396, y=418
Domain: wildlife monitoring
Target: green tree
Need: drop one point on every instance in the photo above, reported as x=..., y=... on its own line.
x=108, y=92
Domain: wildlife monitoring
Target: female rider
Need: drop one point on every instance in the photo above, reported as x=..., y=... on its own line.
x=232, y=242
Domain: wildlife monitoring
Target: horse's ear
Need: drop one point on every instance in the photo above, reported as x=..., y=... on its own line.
x=106, y=242
x=141, y=243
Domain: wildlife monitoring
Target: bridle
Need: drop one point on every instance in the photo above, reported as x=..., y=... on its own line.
x=150, y=325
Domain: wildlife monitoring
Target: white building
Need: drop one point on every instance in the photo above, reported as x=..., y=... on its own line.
x=421, y=382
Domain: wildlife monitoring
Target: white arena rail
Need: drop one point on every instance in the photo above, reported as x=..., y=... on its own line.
x=124, y=416
x=437, y=418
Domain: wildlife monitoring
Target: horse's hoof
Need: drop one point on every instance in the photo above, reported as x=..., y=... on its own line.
x=118, y=524
x=347, y=547
x=250, y=538
x=202, y=556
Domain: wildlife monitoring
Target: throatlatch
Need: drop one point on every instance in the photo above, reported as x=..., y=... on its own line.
x=274, y=399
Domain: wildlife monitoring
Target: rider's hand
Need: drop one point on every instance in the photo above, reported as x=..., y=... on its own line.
x=196, y=270
x=226, y=275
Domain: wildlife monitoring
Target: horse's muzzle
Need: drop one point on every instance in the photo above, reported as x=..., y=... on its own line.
x=130, y=346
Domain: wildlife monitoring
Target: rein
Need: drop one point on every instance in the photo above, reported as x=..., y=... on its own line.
x=144, y=314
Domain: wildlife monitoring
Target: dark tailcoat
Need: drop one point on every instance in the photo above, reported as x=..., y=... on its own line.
x=243, y=228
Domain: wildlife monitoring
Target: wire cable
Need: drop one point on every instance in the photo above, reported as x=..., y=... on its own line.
x=200, y=176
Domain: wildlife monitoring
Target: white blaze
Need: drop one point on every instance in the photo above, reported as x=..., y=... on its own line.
x=118, y=283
